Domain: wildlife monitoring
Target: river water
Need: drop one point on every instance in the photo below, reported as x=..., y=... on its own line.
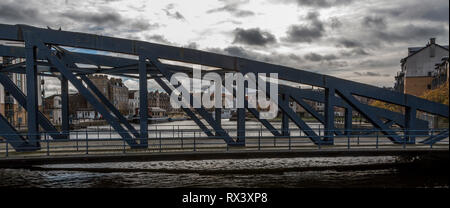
x=223, y=173
x=265, y=173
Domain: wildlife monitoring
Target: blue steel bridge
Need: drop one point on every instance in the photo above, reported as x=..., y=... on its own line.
x=46, y=53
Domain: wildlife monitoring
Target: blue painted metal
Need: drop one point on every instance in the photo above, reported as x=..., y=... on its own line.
x=410, y=117
x=109, y=105
x=65, y=127
x=201, y=111
x=20, y=97
x=301, y=124
x=218, y=117
x=348, y=121
x=284, y=116
x=59, y=64
x=240, y=125
x=186, y=110
x=143, y=102
x=372, y=118
x=329, y=114
x=66, y=56
x=32, y=94
x=13, y=137
x=311, y=111
x=264, y=122
x=435, y=138
x=381, y=119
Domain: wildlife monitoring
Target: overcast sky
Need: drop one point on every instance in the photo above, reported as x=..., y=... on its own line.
x=360, y=40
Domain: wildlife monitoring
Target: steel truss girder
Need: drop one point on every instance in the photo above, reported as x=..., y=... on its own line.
x=311, y=111
x=18, y=142
x=188, y=111
x=300, y=123
x=59, y=64
x=201, y=111
x=395, y=117
x=346, y=95
x=16, y=33
x=66, y=56
x=109, y=106
x=435, y=138
x=21, y=98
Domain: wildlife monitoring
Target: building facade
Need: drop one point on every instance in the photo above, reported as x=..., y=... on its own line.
x=113, y=89
x=441, y=73
x=9, y=107
x=53, y=109
x=417, y=68
x=160, y=100
x=133, y=102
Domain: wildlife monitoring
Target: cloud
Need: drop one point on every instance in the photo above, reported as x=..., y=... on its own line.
x=317, y=57
x=306, y=32
x=371, y=74
x=410, y=32
x=17, y=12
x=253, y=36
x=335, y=23
x=347, y=43
x=434, y=11
x=233, y=8
x=107, y=18
x=285, y=59
x=174, y=14
x=318, y=3
x=107, y=21
x=191, y=45
x=158, y=39
x=374, y=22
x=355, y=52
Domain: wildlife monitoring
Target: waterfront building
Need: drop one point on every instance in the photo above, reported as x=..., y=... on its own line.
x=52, y=109
x=417, y=68
x=9, y=107
x=113, y=89
x=441, y=73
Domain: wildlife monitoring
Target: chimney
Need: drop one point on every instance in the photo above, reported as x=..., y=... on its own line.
x=432, y=47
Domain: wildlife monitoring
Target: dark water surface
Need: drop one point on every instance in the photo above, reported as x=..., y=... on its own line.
x=265, y=173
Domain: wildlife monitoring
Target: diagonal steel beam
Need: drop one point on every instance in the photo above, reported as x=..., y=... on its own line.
x=66, y=57
x=300, y=123
x=435, y=138
x=118, y=45
x=201, y=111
x=110, y=106
x=264, y=122
x=311, y=111
x=186, y=110
x=363, y=110
x=18, y=142
x=12, y=88
x=380, y=112
x=61, y=66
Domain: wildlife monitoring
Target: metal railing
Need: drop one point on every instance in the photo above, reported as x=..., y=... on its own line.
x=178, y=138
